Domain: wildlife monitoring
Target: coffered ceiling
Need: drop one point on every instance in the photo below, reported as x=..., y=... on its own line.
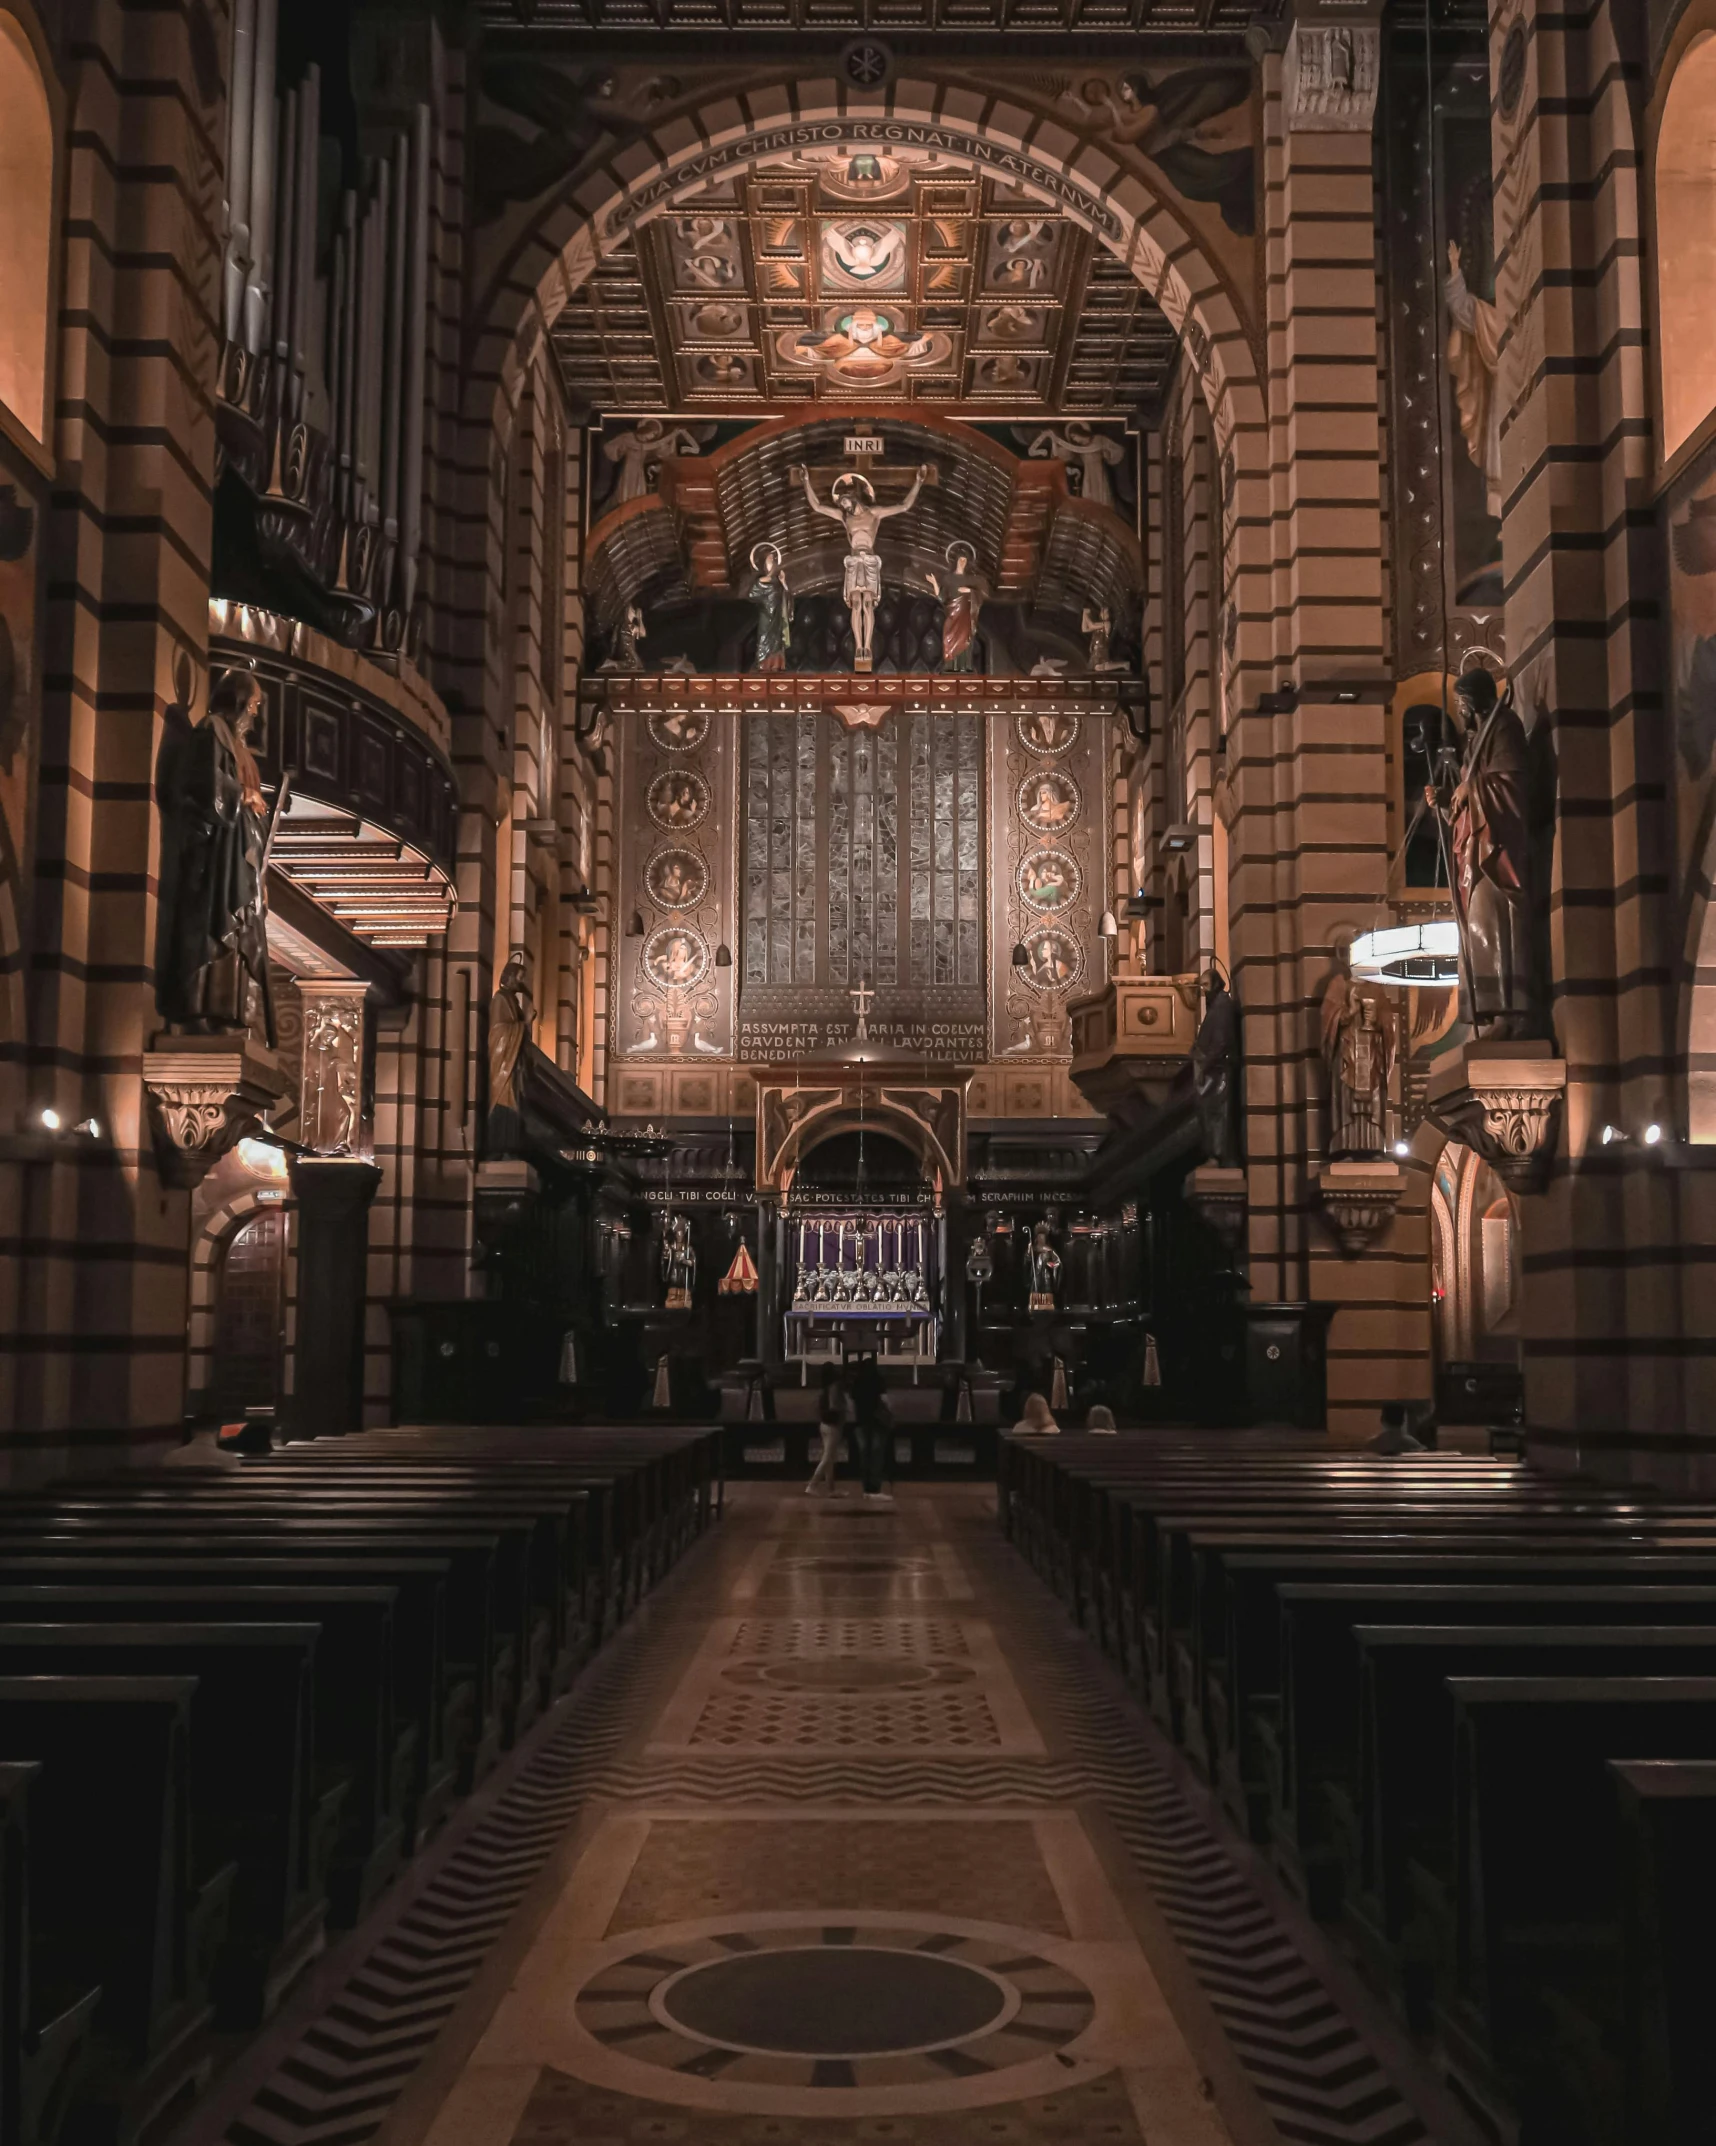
x=863, y=277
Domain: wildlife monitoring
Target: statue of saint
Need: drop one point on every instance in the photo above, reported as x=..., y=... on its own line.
x=962, y=595
x=211, y=930
x=512, y=1015
x=678, y=1262
x=637, y=452
x=1215, y=1073
x=1486, y=820
x=1358, y=1049
x=1474, y=350
x=1093, y=454
x=627, y=635
x=1043, y=1264
x=772, y=596
x=852, y=503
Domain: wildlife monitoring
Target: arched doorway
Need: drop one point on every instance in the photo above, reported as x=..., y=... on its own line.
x=1475, y=1291
x=250, y=1297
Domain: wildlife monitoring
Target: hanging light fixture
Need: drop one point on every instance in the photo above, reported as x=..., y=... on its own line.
x=1108, y=928
x=1408, y=953
x=1021, y=959
x=723, y=956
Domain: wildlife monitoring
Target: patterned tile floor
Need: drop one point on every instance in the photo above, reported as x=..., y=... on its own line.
x=849, y=1837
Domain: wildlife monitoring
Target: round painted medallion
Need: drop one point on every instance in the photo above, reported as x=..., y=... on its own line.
x=675, y=958
x=678, y=799
x=1048, y=730
x=1054, y=960
x=1049, y=801
x=680, y=730
x=1049, y=881
x=676, y=879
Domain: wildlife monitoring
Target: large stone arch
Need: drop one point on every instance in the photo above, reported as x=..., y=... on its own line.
x=1097, y=184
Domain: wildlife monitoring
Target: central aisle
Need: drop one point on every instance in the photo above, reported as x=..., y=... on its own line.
x=848, y=1837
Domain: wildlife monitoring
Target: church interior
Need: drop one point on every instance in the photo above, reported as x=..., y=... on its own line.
x=855, y=1052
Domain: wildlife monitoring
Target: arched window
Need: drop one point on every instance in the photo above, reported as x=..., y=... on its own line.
x=26, y=228
x=1686, y=243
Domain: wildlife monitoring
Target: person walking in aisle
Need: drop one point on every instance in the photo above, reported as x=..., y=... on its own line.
x=870, y=1413
x=833, y=1414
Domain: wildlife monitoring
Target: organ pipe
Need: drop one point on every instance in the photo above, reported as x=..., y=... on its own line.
x=238, y=165
x=416, y=359
x=285, y=233
x=261, y=197
x=350, y=320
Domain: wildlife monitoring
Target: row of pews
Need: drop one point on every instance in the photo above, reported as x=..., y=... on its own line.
x=1470, y=1713
x=234, y=1700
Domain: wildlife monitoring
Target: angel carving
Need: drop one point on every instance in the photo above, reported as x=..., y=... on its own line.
x=1358, y=1048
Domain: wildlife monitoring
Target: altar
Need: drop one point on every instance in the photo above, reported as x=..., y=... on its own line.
x=861, y=1284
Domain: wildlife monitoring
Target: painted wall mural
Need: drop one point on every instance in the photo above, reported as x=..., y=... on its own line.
x=1049, y=801
x=675, y=807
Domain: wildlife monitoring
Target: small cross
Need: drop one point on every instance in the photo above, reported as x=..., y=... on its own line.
x=861, y=997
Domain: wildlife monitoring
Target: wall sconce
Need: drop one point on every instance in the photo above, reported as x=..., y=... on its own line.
x=723, y=956
x=1180, y=838
x=1108, y=928
x=1021, y=960
x=634, y=925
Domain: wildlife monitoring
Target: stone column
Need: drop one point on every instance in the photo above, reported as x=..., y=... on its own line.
x=333, y=1195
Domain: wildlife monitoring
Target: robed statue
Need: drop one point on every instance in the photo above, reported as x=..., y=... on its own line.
x=211, y=925
x=771, y=595
x=1486, y=816
x=962, y=591
x=1358, y=1049
x=1043, y=1263
x=1215, y=1074
x=678, y=1262
x=512, y=1015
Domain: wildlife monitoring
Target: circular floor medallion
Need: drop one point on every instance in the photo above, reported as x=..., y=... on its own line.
x=848, y=1672
x=879, y=2002
x=834, y=2002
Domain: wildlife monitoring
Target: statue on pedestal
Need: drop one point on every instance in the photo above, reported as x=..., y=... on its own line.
x=678, y=1262
x=1485, y=814
x=772, y=597
x=1043, y=1264
x=1358, y=1049
x=211, y=932
x=512, y=1015
x=1215, y=1073
x=852, y=503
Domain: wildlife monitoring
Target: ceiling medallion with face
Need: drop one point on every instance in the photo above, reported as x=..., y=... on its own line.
x=1049, y=801
x=863, y=349
x=864, y=255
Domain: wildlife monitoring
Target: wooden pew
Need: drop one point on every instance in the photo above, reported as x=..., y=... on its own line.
x=40, y=2057
x=113, y=1900
x=1524, y=1916
x=1668, y=1908
x=257, y=1799
x=409, y=1778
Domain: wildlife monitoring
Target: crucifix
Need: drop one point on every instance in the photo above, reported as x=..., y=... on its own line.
x=861, y=995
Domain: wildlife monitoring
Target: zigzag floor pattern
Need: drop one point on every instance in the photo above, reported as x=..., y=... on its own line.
x=1314, y=2073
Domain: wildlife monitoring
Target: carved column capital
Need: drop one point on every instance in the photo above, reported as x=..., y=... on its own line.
x=205, y=1093
x=1359, y=1199
x=1219, y=1195
x=1504, y=1101
x=1330, y=77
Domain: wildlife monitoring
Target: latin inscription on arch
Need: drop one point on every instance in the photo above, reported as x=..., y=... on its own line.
x=1072, y=194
